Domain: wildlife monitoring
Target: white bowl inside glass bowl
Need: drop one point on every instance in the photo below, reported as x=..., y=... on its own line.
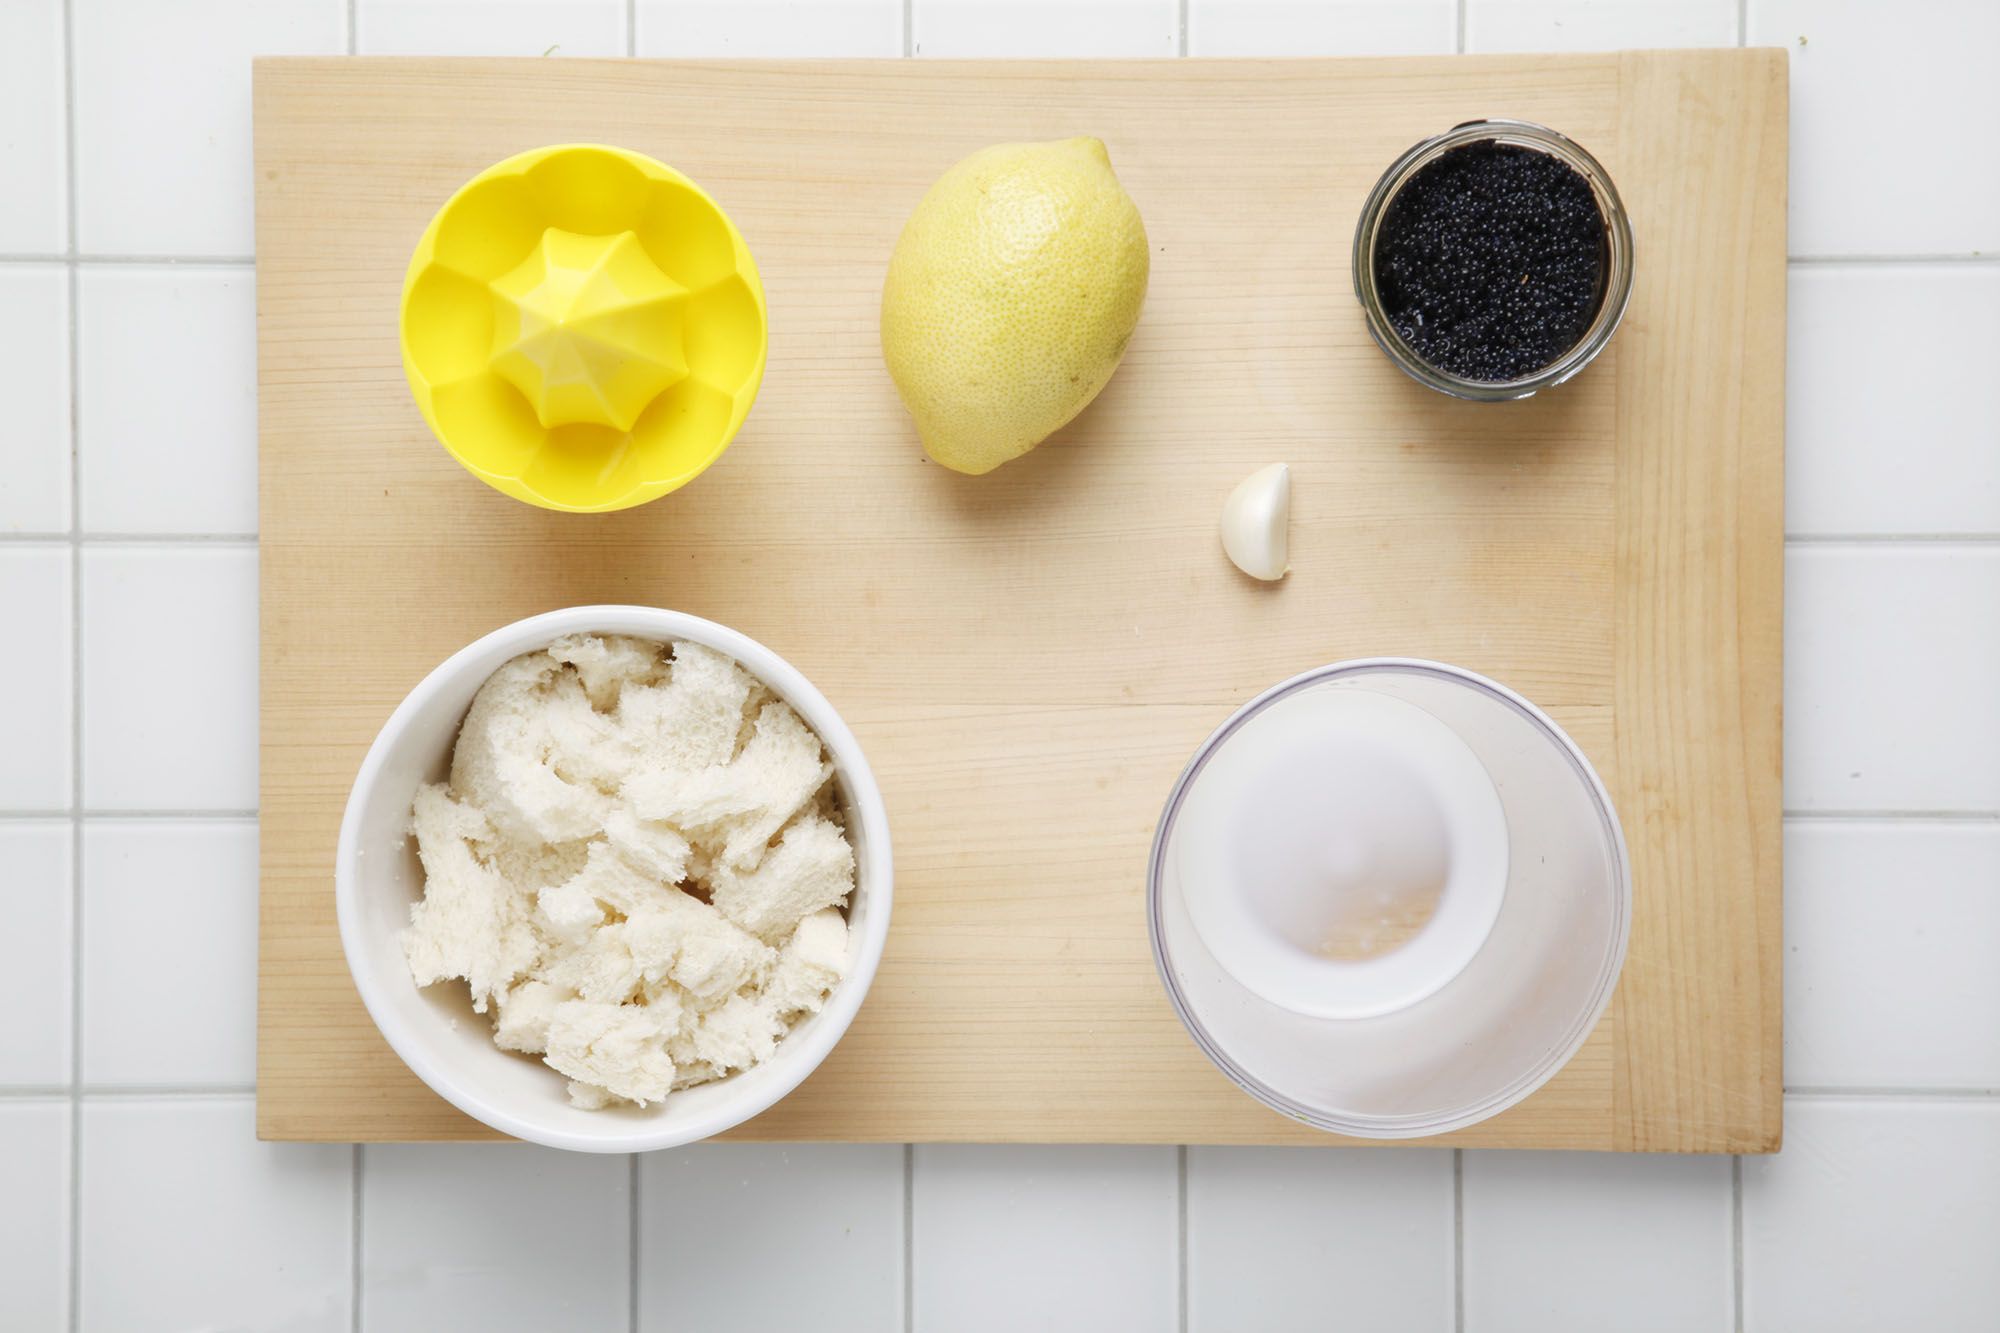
x=377, y=877
x=1389, y=897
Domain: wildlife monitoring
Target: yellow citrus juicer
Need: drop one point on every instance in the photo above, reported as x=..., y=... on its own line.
x=583, y=328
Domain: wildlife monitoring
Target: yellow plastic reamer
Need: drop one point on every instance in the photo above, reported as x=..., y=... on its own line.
x=583, y=328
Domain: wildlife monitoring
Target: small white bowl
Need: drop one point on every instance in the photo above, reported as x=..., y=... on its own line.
x=377, y=877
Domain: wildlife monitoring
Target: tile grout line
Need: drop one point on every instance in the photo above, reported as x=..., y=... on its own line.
x=354, y=1242
x=1899, y=816
x=75, y=1255
x=133, y=538
x=1891, y=538
x=632, y=49
x=353, y=26
x=1181, y=1257
x=121, y=1091
x=132, y=1093
x=67, y=815
x=909, y=27
x=1458, y=1234
x=1918, y=1094
x=1181, y=49
x=909, y=1212
x=1742, y=39
x=1460, y=37
x=1736, y=1234
x=165, y=261
x=632, y=1242
x=1963, y=257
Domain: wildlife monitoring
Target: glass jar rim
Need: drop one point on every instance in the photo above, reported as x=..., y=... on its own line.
x=1618, y=262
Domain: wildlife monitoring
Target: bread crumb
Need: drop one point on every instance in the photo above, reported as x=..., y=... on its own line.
x=636, y=867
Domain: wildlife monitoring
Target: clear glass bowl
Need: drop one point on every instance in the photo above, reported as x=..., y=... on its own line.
x=1456, y=1012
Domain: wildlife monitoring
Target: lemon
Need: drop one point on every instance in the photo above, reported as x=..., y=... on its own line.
x=1011, y=297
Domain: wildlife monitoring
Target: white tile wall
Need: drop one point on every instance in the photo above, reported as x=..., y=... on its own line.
x=167, y=398
x=1890, y=932
x=35, y=898
x=1597, y=25
x=452, y=1228
x=34, y=384
x=490, y=27
x=169, y=690
x=33, y=206
x=1578, y=1242
x=34, y=1213
x=189, y=1222
x=1322, y=27
x=158, y=895
x=1879, y=1213
x=1046, y=28
x=1891, y=654
x=841, y=1204
x=746, y=28
x=1882, y=97
x=35, y=607
x=1006, y=1238
x=1890, y=388
x=162, y=111
x=1283, y=1239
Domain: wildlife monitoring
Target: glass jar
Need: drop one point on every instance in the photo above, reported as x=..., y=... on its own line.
x=1614, y=291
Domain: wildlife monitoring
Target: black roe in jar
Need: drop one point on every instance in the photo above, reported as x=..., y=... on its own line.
x=1490, y=261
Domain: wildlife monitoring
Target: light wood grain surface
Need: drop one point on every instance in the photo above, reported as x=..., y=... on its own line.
x=1029, y=657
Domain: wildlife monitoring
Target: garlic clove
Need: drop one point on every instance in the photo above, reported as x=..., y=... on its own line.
x=1256, y=523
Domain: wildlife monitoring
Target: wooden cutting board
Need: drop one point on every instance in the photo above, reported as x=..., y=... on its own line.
x=1029, y=657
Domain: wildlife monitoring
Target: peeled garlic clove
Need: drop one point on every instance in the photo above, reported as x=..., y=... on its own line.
x=1256, y=523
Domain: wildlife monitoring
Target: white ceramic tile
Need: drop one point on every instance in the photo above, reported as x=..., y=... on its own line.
x=169, y=677
x=717, y=1221
x=163, y=116
x=167, y=399
x=1879, y=1214
x=494, y=1236
x=1312, y=28
x=169, y=952
x=770, y=27
x=1556, y=1242
x=1890, y=930
x=1891, y=654
x=988, y=28
x=190, y=1222
x=34, y=1214
x=1892, y=409
x=34, y=384
x=35, y=677
x=1597, y=25
x=35, y=897
x=1887, y=101
x=1007, y=1238
x=31, y=128
x=1306, y=1239
x=490, y=27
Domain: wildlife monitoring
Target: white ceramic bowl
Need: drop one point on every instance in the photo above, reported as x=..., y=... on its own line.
x=377, y=877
